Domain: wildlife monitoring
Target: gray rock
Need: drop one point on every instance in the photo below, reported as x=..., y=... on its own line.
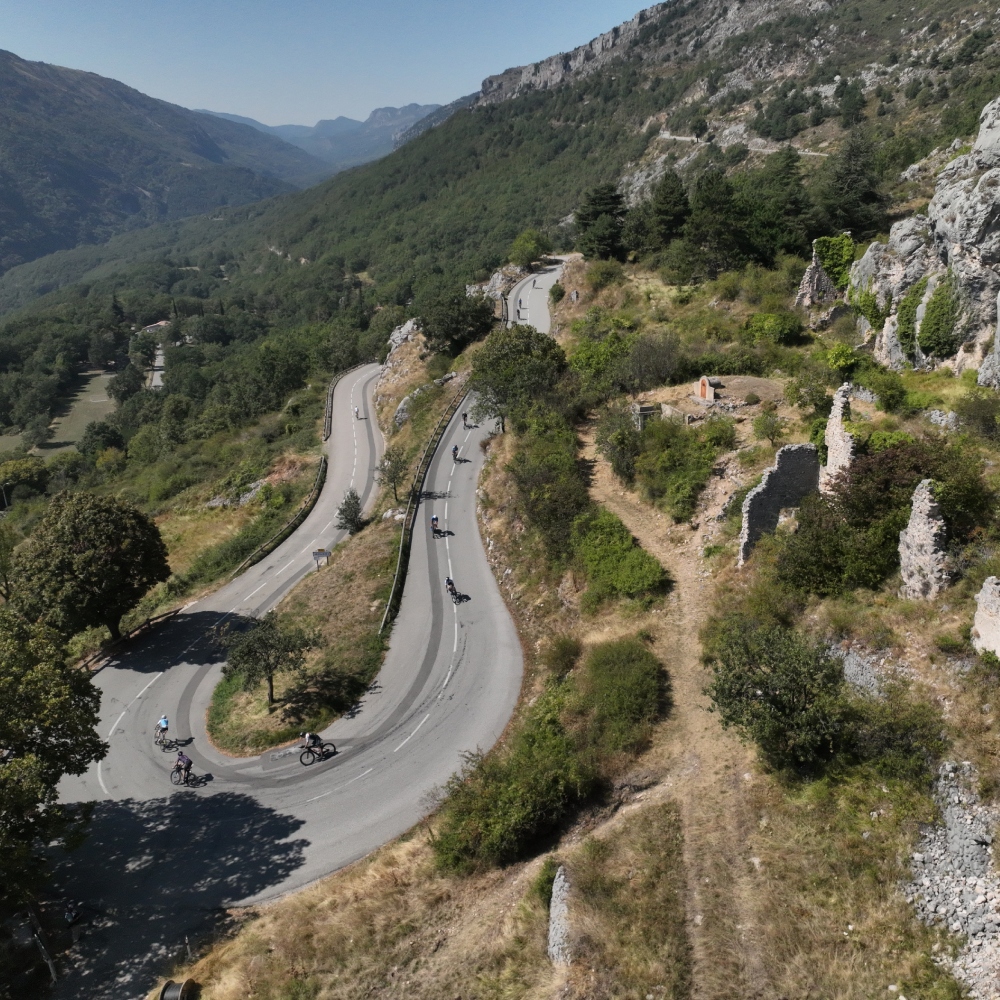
x=816, y=287
x=949, y=421
x=986, y=624
x=560, y=952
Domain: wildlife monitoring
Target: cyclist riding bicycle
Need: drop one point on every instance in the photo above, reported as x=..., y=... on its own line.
x=162, y=726
x=449, y=584
x=312, y=740
x=183, y=763
x=434, y=524
x=454, y=453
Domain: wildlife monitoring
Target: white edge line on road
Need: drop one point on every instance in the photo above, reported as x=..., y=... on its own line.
x=339, y=787
x=100, y=776
x=414, y=733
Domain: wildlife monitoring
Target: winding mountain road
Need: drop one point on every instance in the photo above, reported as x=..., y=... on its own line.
x=160, y=864
x=528, y=300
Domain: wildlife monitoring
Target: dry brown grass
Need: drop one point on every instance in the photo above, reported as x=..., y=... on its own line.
x=343, y=602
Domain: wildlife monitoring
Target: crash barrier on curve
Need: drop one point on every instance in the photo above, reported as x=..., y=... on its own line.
x=416, y=488
x=99, y=658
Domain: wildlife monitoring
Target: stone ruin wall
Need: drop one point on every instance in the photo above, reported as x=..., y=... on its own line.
x=839, y=444
x=923, y=561
x=794, y=474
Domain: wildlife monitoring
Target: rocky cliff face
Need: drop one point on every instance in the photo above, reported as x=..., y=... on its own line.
x=958, y=240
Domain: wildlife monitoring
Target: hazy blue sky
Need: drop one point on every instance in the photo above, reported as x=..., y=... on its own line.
x=296, y=61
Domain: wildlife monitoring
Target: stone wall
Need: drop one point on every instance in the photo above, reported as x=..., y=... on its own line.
x=794, y=474
x=986, y=624
x=923, y=561
x=839, y=444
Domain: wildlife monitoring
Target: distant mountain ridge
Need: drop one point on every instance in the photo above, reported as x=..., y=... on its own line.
x=83, y=158
x=345, y=142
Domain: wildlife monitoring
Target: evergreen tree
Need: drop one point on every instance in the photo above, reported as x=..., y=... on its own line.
x=851, y=194
x=600, y=221
x=671, y=208
x=716, y=227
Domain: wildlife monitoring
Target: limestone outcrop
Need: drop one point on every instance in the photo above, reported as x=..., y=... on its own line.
x=795, y=474
x=816, y=287
x=986, y=624
x=839, y=443
x=959, y=236
x=923, y=559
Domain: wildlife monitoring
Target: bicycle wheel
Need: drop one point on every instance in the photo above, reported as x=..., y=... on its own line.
x=329, y=748
x=307, y=757
x=176, y=776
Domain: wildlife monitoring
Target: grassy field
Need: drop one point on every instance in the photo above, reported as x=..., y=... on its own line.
x=89, y=402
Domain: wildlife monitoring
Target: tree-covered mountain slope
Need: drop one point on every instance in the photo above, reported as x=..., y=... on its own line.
x=83, y=158
x=747, y=79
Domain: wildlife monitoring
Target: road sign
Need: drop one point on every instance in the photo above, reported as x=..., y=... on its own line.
x=321, y=555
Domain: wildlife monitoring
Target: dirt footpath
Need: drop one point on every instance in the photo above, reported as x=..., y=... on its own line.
x=708, y=770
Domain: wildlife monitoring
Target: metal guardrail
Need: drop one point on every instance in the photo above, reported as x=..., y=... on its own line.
x=416, y=488
x=305, y=510
x=88, y=662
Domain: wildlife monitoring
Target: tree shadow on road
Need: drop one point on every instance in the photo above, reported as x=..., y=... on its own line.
x=185, y=637
x=153, y=874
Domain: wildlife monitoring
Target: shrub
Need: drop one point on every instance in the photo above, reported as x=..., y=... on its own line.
x=619, y=442
x=979, y=410
x=836, y=255
x=770, y=427
x=561, y=655
x=906, y=316
x=888, y=386
x=775, y=328
x=500, y=804
x=751, y=399
x=621, y=695
x=937, y=332
x=603, y=273
x=676, y=461
x=866, y=303
x=615, y=564
x=557, y=293
x=779, y=690
x=884, y=440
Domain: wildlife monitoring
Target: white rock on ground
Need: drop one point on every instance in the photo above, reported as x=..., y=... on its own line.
x=559, y=946
x=986, y=624
x=839, y=443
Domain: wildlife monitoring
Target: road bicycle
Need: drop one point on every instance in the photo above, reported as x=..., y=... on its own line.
x=178, y=776
x=320, y=751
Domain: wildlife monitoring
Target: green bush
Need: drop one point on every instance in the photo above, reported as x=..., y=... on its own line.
x=616, y=565
x=888, y=386
x=774, y=328
x=979, y=410
x=937, y=332
x=604, y=273
x=619, y=442
x=557, y=293
x=676, y=461
x=866, y=303
x=621, y=695
x=779, y=690
x=906, y=317
x=567, y=744
x=836, y=254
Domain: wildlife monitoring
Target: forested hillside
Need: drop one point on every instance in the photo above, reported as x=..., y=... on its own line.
x=83, y=158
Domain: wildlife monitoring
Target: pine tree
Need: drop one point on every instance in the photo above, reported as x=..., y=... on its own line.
x=671, y=208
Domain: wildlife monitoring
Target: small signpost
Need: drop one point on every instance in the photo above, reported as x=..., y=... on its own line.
x=321, y=555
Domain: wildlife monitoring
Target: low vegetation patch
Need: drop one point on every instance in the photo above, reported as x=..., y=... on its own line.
x=574, y=737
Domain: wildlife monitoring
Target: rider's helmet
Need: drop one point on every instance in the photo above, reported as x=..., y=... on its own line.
x=303, y=735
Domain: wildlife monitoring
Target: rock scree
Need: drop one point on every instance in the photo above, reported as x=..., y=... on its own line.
x=954, y=883
x=795, y=474
x=923, y=561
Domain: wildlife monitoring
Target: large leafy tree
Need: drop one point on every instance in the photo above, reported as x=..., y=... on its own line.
x=271, y=645
x=514, y=367
x=451, y=322
x=89, y=560
x=529, y=246
x=47, y=730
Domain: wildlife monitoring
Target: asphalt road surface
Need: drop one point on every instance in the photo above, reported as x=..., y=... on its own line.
x=528, y=300
x=161, y=863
